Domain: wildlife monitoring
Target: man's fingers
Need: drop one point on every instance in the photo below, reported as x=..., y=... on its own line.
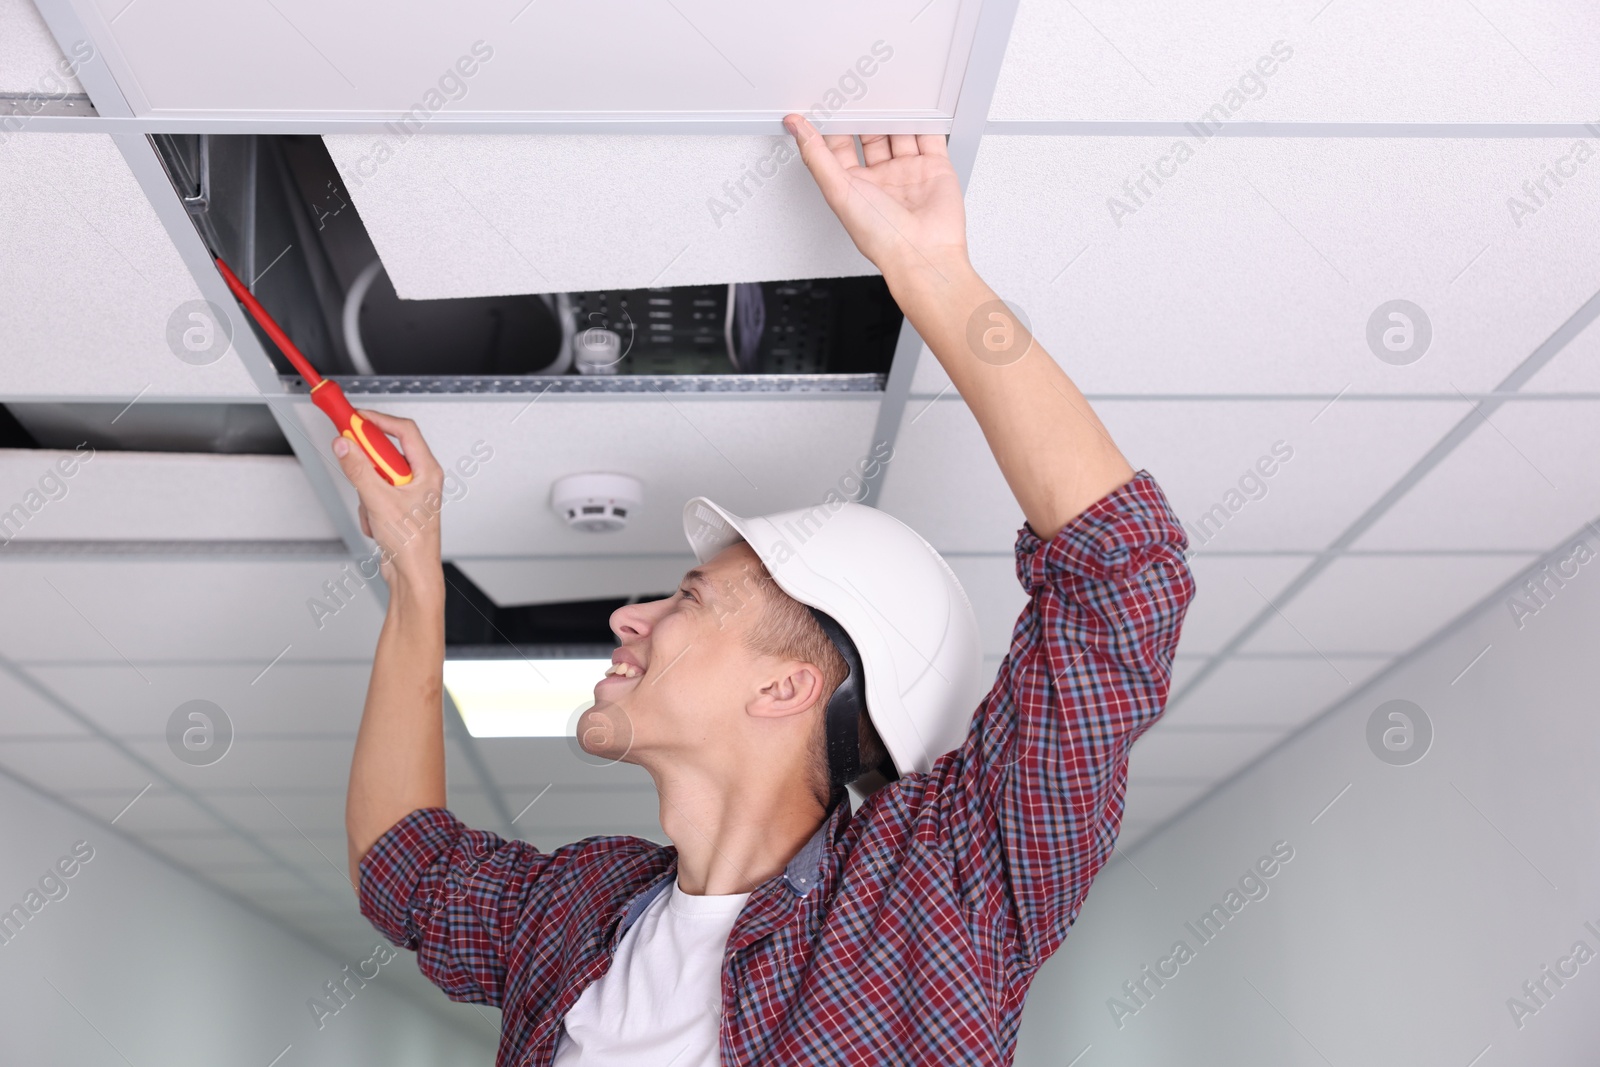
x=819, y=159
x=903, y=144
x=875, y=147
x=356, y=466
x=366, y=526
x=933, y=144
x=405, y=431
x=843, y=147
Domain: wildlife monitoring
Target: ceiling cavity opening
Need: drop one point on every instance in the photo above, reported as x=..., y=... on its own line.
x=476, y=627
x=144, y=426
x=276, y=210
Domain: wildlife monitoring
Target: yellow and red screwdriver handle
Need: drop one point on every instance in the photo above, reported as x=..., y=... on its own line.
x=325, y=394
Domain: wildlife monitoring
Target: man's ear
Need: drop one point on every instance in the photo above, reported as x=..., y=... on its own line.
x=792, y=688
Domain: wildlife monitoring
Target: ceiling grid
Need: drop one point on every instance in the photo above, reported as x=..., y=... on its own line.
x=1070, y=119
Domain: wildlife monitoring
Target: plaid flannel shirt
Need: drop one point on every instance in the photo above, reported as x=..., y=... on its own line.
x=906, y=932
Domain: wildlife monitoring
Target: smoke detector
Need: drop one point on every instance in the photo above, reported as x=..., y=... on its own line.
x=597, y=502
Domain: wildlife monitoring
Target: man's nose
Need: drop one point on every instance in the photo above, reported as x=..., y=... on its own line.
x=630, y=621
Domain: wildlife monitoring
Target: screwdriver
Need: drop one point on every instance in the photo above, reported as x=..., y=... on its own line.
x=325, y=394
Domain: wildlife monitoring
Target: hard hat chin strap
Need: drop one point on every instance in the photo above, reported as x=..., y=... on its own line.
x=842, y=718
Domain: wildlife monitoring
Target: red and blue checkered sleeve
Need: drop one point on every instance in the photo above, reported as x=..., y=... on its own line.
x=459, y=898
x=1033, y=799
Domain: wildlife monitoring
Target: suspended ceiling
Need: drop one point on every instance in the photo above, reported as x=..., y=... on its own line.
x=1218, y=316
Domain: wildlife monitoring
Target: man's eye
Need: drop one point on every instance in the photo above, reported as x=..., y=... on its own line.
x=686, y=594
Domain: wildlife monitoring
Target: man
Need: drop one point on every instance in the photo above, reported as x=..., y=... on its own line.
x=782, y=927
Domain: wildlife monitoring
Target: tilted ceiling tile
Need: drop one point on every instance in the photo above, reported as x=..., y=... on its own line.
x=752, y=456
x=1267, y=265
x=691, y=58
x=120, y=610
x=92, y=280
x=480, y=215
x=156, y=496
x=1526, y=478
x=1381, y=605
x=1283, y=692
x=1364, y=61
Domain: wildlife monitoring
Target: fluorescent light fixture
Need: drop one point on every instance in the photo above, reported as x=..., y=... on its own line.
x=522, y=697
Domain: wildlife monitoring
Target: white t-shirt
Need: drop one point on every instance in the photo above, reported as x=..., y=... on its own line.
x=661, y=1001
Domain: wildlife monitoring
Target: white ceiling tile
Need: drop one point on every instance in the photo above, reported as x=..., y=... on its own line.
x=1526, y=478
x=1367, y=60
x=290, y=698
x=533, y=581
x=1185, y=664
x=1133, y=831
x=1279, y=691
x=59, y=765
x=30, y=59
x=81, y=608
x=1208, y=757
x=1229, y=592
x=943, y=482
x=24, y=712
x=478, y=215
x=1257, y=266
x=996, y=594
x=315, y=810
x=1327, y=463
x=752, y=456
x=1382, y=605
x=261, y=763
x=261, y=884
x=91, y=280
x=159, y=496
x=687, y=58
x=196, y=851
x=161, y=810
x=1576, y=368
x=1151, y=803
x=317, y=863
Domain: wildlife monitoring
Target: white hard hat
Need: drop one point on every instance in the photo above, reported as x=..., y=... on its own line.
x=895, y=597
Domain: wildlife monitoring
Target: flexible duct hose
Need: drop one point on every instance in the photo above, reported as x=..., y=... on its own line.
x=560, y=307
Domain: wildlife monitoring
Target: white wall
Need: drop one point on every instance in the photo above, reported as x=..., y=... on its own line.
x=1413, y=908
x=150, y=967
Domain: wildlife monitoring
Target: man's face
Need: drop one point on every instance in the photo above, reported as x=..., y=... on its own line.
x=693, y=674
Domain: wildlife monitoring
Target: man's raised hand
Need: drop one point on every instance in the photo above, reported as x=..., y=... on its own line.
x=903, y=208
x=403, y=519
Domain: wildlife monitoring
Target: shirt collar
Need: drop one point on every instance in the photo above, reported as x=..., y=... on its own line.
x=804, y=871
